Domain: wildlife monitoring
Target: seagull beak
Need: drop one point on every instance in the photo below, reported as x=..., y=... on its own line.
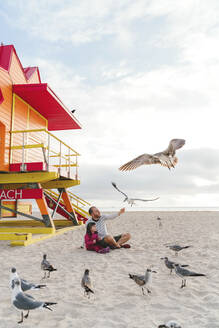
x=154, y=271
x=162, y=258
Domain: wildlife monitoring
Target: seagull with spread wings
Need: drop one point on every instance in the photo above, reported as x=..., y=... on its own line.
x=165, y=158
x=131, y=201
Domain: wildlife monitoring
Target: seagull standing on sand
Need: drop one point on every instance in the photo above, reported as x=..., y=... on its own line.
x=46, y=266
x=177, y=248
x=160, y=222
x=25, y=302
x=25, y=285
x=131, y=201
x=165, y=158
x=170, y=324
x=184, y=273
x=86, y=283
x=143, y=280
x=171, y=265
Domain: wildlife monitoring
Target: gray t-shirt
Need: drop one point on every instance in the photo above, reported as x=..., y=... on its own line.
x=101, y=224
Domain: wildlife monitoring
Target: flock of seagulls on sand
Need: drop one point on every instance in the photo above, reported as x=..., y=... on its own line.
x=24, y=302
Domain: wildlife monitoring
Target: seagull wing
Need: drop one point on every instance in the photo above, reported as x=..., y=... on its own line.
x=174, y=145
x=144, y=159
x=115, y=186
x=87, y=282
x=46, y=265
x=189, y=273
x=139, y=279
x=25, y=285
x=145, y=200
x=26, y=302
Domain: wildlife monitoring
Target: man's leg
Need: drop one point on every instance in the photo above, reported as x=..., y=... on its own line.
x=111, y=241
x=124, y=238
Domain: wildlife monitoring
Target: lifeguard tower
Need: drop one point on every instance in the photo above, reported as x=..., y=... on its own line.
x=33, y=161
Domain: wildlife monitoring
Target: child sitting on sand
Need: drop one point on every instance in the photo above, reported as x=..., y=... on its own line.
x=91, y=240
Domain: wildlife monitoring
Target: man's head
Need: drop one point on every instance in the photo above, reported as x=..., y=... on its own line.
x=94, y=212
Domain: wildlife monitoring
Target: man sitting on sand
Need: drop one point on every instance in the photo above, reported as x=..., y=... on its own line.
x=106, y=239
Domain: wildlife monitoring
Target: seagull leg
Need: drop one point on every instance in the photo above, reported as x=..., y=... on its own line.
x=168, y=165
x=48, y=276
x=143, y=291
x=172, y=163
x=26, y=316
x=22, y=317
x=44, y=277
x=148, y=290
x=182, y=285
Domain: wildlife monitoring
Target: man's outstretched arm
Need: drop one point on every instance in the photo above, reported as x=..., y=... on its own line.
x=114, y=215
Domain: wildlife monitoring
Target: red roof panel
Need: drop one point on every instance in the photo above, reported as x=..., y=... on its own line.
x=44, y=100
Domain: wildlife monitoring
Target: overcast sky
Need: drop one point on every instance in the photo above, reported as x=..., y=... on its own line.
x=139, y=73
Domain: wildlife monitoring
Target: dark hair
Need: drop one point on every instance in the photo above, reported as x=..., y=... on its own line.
x=90, y=211
x=90, y=224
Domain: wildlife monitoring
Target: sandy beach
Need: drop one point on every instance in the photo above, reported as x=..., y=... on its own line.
x=118, y=301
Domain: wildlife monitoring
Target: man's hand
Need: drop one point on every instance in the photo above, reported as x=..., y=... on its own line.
x=94, y=241
x=122, y=211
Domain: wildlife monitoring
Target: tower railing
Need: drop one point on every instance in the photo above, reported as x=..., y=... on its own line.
x=29, y=145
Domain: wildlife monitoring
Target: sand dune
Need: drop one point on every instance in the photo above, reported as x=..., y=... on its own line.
x=118, y=302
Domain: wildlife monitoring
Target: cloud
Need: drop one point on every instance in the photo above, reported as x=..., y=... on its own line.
x=73, y=21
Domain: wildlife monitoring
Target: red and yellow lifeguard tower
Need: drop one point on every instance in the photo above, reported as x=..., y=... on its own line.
x=33, y=161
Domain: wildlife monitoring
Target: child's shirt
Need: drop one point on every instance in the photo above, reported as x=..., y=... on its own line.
x=89, y=242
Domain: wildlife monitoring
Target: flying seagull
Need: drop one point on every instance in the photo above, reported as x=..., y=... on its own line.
x=46, y=266
x=131, y=201
x=142, y=280
x=25, y=302
x=25, y=285
x=73, y=111
x=170, y=264
x=184, y=273
x=170, y=324
x=165, y=158
x=86, y=283
x=177, y=248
